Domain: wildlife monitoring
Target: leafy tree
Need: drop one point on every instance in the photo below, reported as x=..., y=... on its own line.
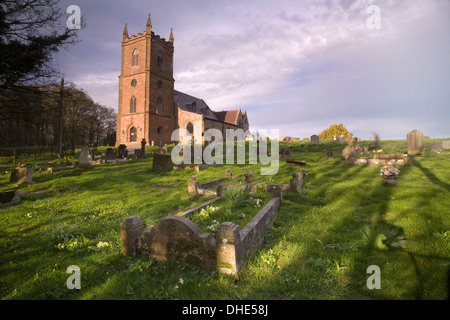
x=30, y=33
x=335, y=130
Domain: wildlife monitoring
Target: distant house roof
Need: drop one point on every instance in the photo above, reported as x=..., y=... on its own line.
x=192, y=104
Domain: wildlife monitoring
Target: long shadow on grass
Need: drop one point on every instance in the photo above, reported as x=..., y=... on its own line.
x=430, y=175
x=315, y=269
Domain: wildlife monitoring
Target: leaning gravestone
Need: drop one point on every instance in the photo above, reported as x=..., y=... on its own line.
x=85, y=160
x=20, y=175
x=446, y=144
x=415, y=142
x=314, y=139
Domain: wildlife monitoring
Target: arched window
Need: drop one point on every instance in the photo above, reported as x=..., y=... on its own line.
x=133, y=134
x=133, y=104
x=190, y=128
x=159, y=106
x=160, y=59
x=134, y=61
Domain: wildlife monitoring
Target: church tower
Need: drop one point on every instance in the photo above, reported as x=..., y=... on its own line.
x=146, y=89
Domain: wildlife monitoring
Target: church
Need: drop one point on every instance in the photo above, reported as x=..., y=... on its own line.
x=149, y=106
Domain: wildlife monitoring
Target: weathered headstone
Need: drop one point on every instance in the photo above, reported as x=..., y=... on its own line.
x=85, y=160
x=162, y=162
x=435, y=147
x=341, y=139
x=230, y=249
x=122, y=150
x=163, y=150
x=143, y=143
x=228, y=174
x=284, y=153
x=179, y=238
x=445, y=144
x=276, y=190
x=415, y=142
x=376, y=145
x=221, y=190
x=329, y=154
x=130, y=230
x=314, y=139
x=110, y=154
x=296, y=182
x=248, y=176
x=193, y=186
x=20, y=175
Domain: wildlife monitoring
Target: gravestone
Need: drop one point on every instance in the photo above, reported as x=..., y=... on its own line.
x=162, y=162
x=179, y=238
x=435, y=147
x=228, y=174
x=123, y=152
x=341, y=139
x=276, y=190
x=248, y=176
x=163, y=150
x=415, y=142
x=314, y=139
x=376, y=145
x=130, y=230
x=445, y=144
x=221, y=190
x=110, y=154
x=296, y=182
x=193, y=186
x=329, y=154
x=143, y=143
x=20, y=175
x=85, y=160
x=284, y=153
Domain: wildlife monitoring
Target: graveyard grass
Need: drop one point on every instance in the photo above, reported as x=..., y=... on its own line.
x=320, y=246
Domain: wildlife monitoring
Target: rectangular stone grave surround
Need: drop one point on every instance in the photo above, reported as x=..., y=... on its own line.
x=179, y=238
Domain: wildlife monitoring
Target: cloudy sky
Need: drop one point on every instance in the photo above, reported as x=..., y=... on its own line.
x=294, y=65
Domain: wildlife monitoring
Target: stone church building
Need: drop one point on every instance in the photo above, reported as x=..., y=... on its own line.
x=149, y=106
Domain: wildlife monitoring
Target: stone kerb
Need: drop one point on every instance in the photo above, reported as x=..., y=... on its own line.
x=177, y=237
x=233, y=244
x=9, y=196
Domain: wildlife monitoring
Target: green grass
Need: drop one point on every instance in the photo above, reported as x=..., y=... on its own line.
x=318, y=247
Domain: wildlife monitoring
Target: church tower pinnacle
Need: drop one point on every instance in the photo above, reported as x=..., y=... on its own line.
x=149, y=24
x=125, y=32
